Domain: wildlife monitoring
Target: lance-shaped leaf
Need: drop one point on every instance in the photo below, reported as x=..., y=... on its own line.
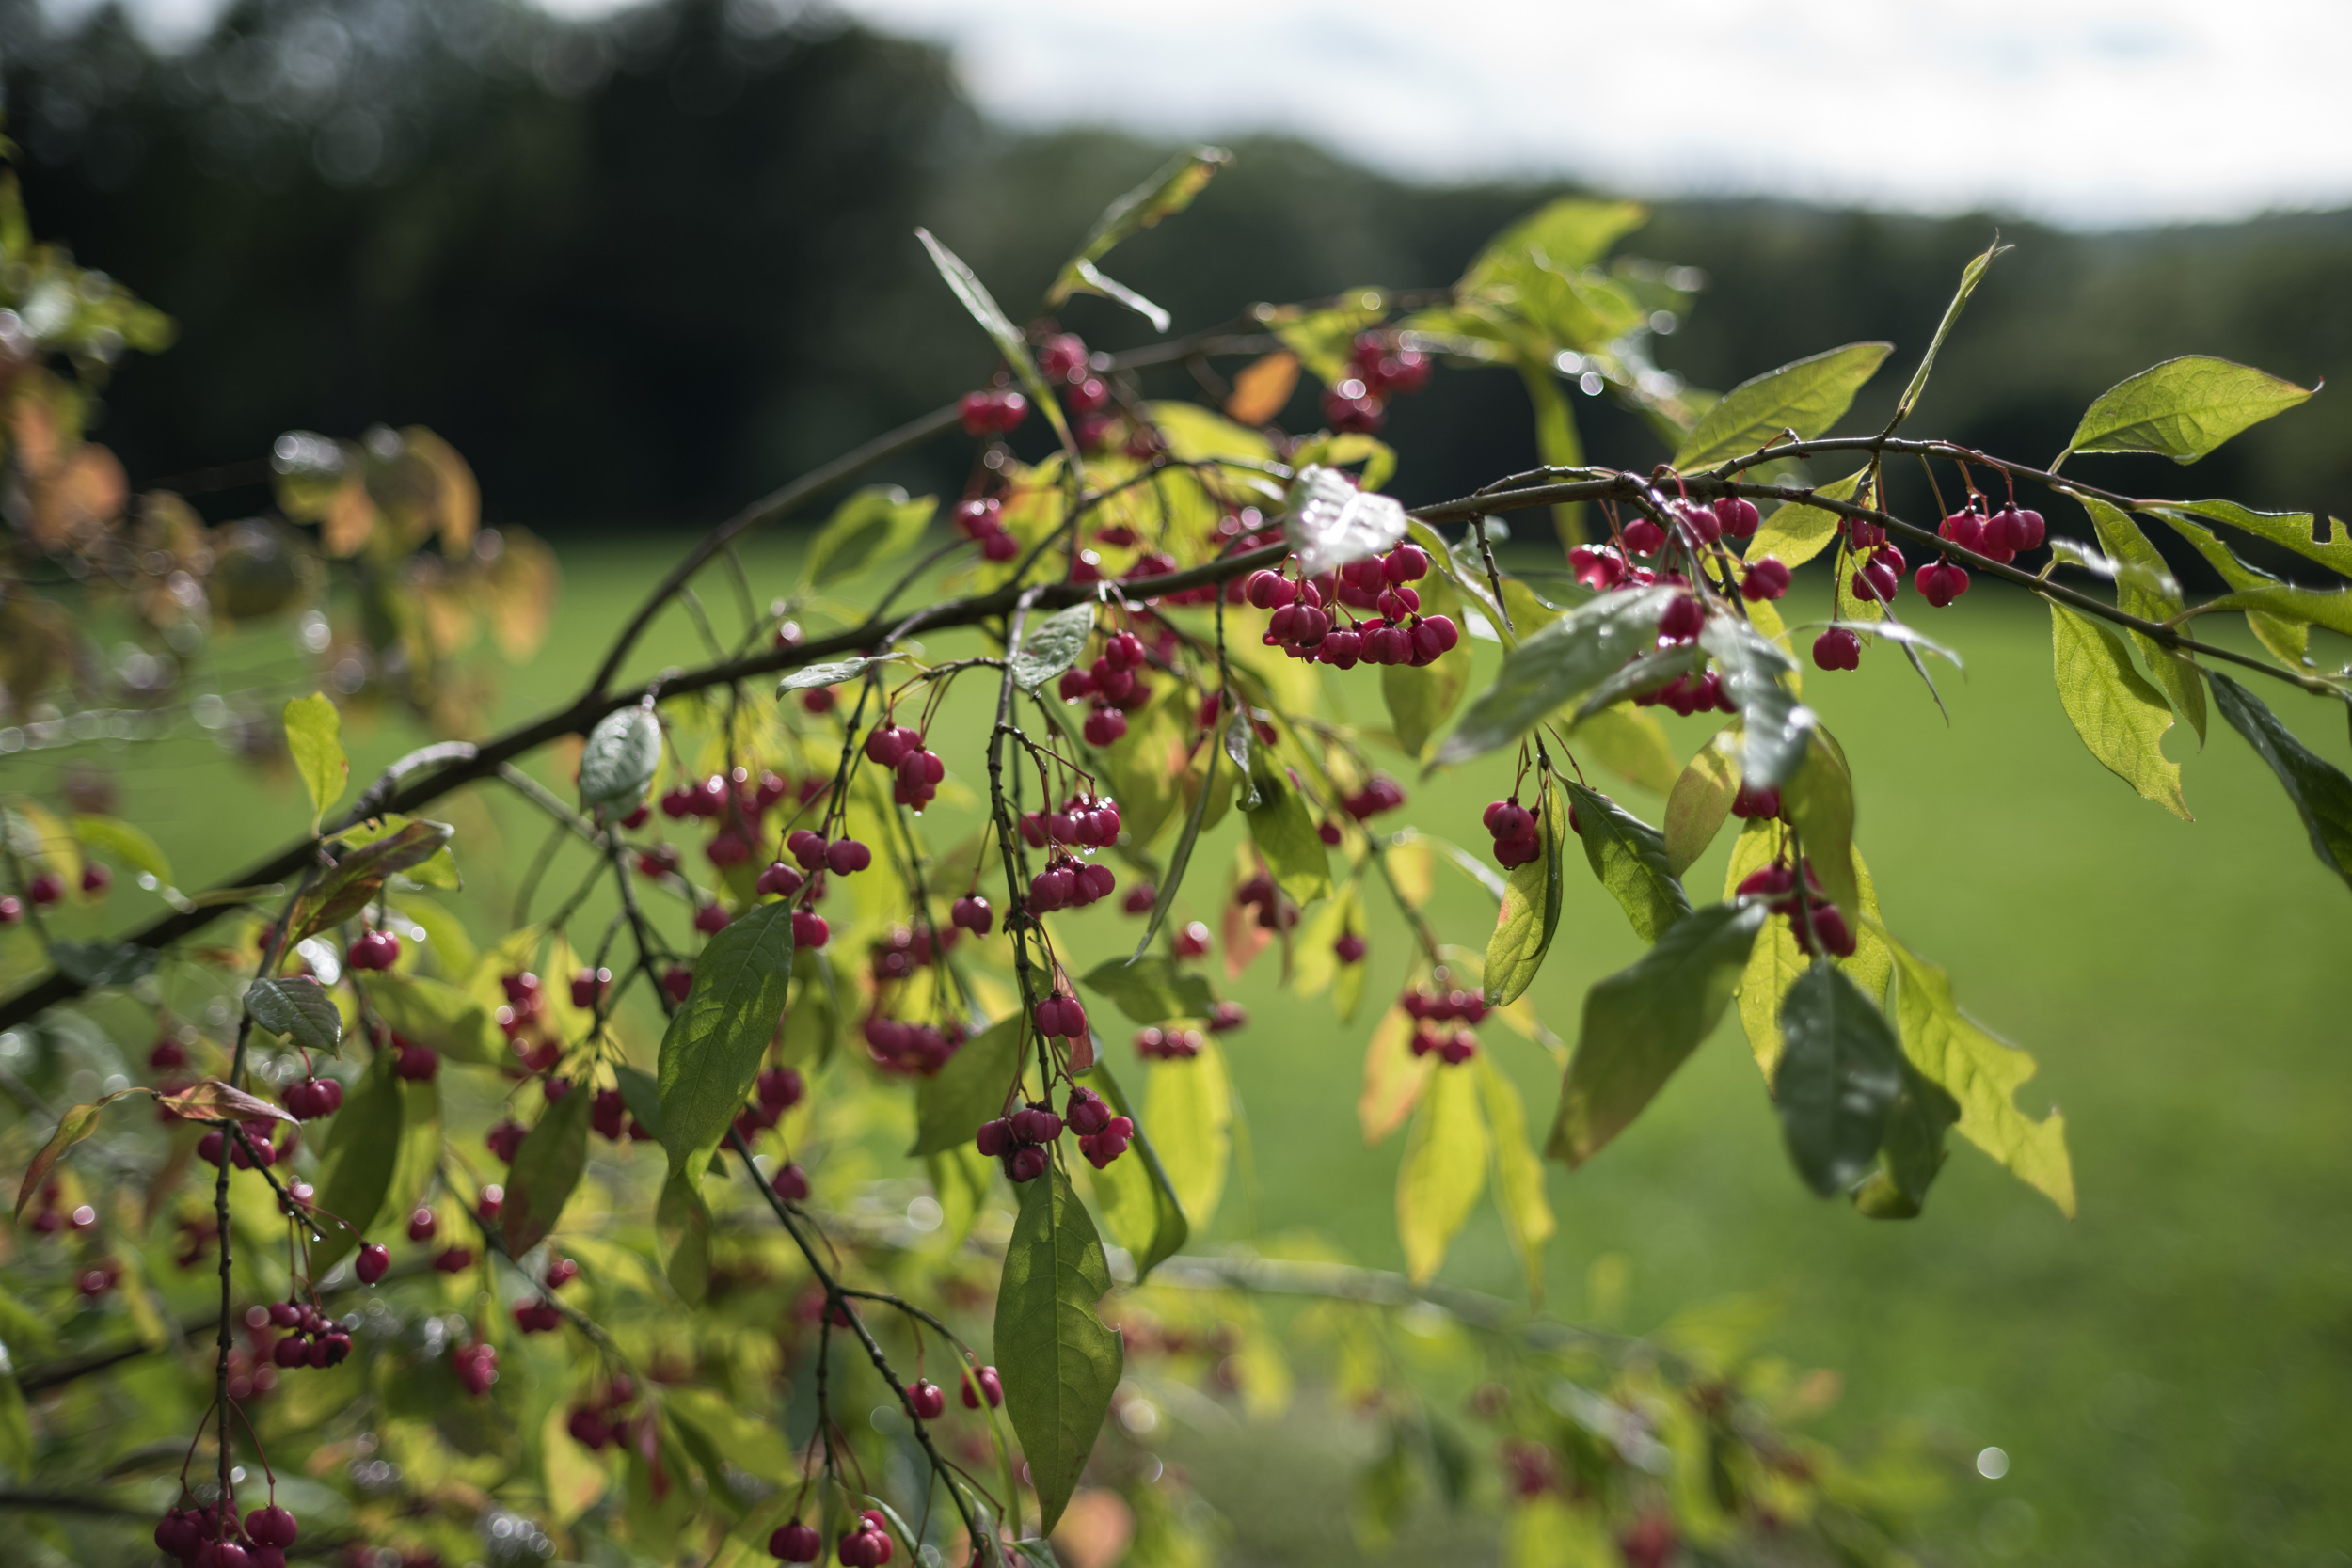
x=1806, y=396
x=2321, y=793
x=1167, y=193
x=1773, y=726
x=1557, y=666
x=1053, y=645
x=874, y=527
x=1913, y=1152
x=951, y=1103
x=1982, y=1074
x=1819, y=802
x=2290, y=529
x=1394, y=1076
x=431, y=1012
x=1701, y=802
x=2289, y=639
x=77, y=1123
x=1777, y=961
x=437, y=869
x=546, y=1170
x=619, y=759
x=1444, y=1172
x=682, y=1226
x=710, y=1053
x=125, y=843
x=1840, y=1073
x=1642, y=1023
x=1970, y=275
x=298, y=1008
x=2119, y=715
x=1138, y=1199
x=1285, y=834
x=1189, y=1107
x=1518, y=1175
x=314, y=737
x=1630, y=743
x=1629, y=859
x=363, y=1142
x=974, y=296
x=2329, y=607
x=2145, y=587
x=2182, y=409
x=1179, y=858
x=1331, y=522
x=214, y=1100
x=1530, y=907
x=1153, y=990
x=1795, y=532
x=1058, y=1362
x=359, y=873
x=831, y=673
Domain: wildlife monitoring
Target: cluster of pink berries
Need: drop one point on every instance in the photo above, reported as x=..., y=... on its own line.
x=609, y=1114
x=843, y=857
x=1810, y=914
x=312, y=1098
x=1068, y=369
x=1060, y=1016
x=1380, y=793
x=1513, y=828
x=866, y=1546
x=208, y=1536
x=1880, y=576
x=210, y=1147
x=543, y=1316
x=312, y=1338
x=1068, y=884
x=776, y=1090
x=916, y=772
x=1397, y=633
x=2003, y=536
x=1020, y=1139
x=1275, y=912
x=1167, y=1045
x=476, y=1366
x=738, y=806
x=1088, y=822
x=784, y=880
x=982, y=518
x=49, y=1216
x=46, y=887
x=1759, y=806
x=1429, y=1008
x=903, y=950
x=914, y=1047
x=526, y=1010
x=1113, y=682
x=1378, y=369
x=593, y=1426
x=996, y=411
x=373, y=950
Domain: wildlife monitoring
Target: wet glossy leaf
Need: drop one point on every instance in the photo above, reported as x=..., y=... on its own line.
x=1642, y=1023
x=2182, y=409
x=1058, y=1362
x=1773, y=726
x=1628, y=858
x=1331, y=522
x=298, y=1008
x=2118, y=714
x=1053, y=645
x=1285, y=834
x=711, y=1051
x=546, y=1170
x=1530, y=907
x=315, y=737
x=2321, y=792
x=619, y=759
x=812, y=676
x=1444, y=1170
x=1807, y=396
x=1840, y=1074
x=1556, y=665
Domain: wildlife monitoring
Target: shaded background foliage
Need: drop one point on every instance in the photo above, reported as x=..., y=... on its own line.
x=641, y=270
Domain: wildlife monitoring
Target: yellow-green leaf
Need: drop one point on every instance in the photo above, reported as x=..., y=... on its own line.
x=1630, y=743
x=1807, y=396
x=1530, y=907
x=2119, y=715
x=1060, y=1364
x=1795, y=532
x=1189, y=1108
x=1527, y=1218
x=2183, y=408
x=314, y=737
x=1394, y=1076
x=1698, y=805
x=1443, y=1173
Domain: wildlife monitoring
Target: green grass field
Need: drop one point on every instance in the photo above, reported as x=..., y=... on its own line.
x=2166, y=1372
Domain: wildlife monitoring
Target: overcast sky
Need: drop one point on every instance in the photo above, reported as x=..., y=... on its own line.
x=2087, y=112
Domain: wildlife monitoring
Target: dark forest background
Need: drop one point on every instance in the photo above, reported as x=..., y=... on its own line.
x=643, y=270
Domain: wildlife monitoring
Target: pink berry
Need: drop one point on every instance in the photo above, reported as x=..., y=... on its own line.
x=1684, y=618
x=271, y=1527
x=846, y=856
x=1736, y=515
x=991, y=1389
x=1644, y=537
x=781, y=879
x=373, y=1261
x=809, y=929
x=1837, y=649
x=96, y=878
x=791, y=1183
x=678, y=980
x=927, y=1398
x=711, y=918
x=1349, y=949
x=1765, y=579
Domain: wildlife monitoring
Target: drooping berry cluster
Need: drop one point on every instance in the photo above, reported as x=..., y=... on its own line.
x=369, y=950
x=995, y=411
x=1429, y=1008
x=310, y=1338
x=1154, y=1044
x=1086, y=821
x=1068, y=884
x=524, y=1016
x=206, y=1535
x=609, y=1114
x=1380, y=793
x=776, y=1090
x=1086, y=397
x=1379, y=367
x=982, y=518
x=1810, y=914
x=868, y=1546
x=1303, y=627
x=1274, y=911
x=1020, y=1139
x=476, y=1366
x=914, y=1047
x=1513, y=826
x=606, y=1420
x=916, y=772
x=1114, y=684
x=308, y=1099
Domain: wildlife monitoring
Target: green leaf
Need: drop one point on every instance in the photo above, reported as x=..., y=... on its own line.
x=2331, y=608
x=1839, y=1077
x=1642, y=1023
x=1555, y=667
x=1518, y=1176
x=431, y=1012
x=298, y=1008
x=2119, y=715
x=1189, y=1110
x=1138, y=1199
x=125, y=843
x=1053, y=645
x=1571, y=233
x=1628, y=858
x=1982, y=1074
x=1444, y=1172
x=1795, y=532
x=1421, y=698
x=2321, y=793
x=2288, y=640
x=1058, y=1362
x=811, y=675
x=1777, y=961
x=2289, y=529
x=1645, y=674
x=619, y=759
x=93, y=964
x=1286, y=836
x=2182, y=409
x=951, y=1103
x=876, y=526
x=711, y=1051
x=1819, y=803
x=1970, y=275
x=1912, y=1153
x=2144, y=586
x=363, y=1143
x=1773, y=726
x=682, y=1226
x=974, y=296
x=1179, y=858
x=1631, y=744
x=1166, y=194
x=1153, y=990
x=1696, y=808
x=1530, y=907
x=18, y=1449
x=77, y=1123
x=1807, y=396
x=362, y=863
x=642, y=1093
x=547, y=1168
x=315, y=737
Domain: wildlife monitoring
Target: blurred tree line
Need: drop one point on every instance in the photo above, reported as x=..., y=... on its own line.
x=641, y=270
